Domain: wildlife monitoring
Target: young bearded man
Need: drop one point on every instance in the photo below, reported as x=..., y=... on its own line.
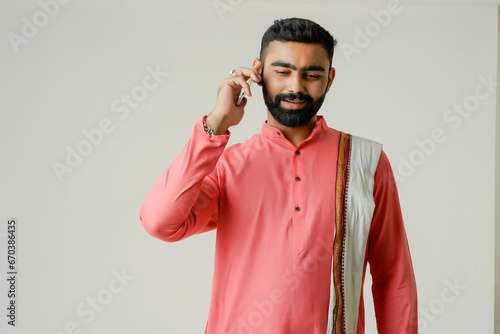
x=299, y=208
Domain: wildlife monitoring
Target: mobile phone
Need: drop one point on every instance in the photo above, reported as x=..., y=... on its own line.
x=242, y=94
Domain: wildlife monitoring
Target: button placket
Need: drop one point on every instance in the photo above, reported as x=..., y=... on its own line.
x=298, y=216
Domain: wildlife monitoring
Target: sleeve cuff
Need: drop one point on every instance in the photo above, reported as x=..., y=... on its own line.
x=199, y=127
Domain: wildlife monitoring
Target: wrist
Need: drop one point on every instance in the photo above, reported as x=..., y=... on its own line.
x=208, y=130
x=215, y=124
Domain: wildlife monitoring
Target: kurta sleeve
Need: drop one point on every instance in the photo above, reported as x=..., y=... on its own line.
x=394, y=288
x=184, y=200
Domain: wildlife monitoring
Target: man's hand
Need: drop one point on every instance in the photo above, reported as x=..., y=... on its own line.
x=226, y=113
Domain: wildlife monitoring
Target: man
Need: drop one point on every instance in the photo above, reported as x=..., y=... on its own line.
x=299, y=208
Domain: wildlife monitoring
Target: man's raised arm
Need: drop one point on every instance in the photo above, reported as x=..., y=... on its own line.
x=184, y=200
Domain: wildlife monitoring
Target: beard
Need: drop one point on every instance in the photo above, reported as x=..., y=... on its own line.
x=292, y=118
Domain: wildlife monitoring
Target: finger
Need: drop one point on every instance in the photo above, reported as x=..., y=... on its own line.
x=249, y=73
x=242, y=83
x=257, y=66
x=235, y=83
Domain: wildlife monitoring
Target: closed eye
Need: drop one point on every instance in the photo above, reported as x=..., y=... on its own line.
x=315, y=76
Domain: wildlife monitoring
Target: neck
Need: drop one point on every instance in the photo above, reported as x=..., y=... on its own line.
x=295, y=135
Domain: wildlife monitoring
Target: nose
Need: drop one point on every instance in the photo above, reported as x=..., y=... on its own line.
x=295, y=83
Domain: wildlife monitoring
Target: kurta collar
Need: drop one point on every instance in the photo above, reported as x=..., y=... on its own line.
x=271, y=132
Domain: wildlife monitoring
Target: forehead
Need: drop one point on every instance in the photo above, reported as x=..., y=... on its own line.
x=296, y=53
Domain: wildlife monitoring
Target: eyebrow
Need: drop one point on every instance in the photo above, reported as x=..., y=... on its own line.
x=293, y=67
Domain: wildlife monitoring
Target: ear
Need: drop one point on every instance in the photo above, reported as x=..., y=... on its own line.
x=331, y=76
x=257, y=64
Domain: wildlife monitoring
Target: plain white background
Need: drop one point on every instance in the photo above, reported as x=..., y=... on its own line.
x=78, y=232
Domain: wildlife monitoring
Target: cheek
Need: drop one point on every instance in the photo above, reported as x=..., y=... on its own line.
x=318, y=90
x=273, y=86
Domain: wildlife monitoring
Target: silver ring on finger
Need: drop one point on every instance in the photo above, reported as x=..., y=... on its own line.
x=233, y=73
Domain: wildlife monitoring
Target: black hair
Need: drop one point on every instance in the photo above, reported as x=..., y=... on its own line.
x=298, y=30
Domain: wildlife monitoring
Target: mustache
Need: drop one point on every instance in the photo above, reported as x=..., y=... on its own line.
x=292, y=96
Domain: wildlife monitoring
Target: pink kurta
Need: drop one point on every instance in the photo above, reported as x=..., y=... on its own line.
x=273, y=205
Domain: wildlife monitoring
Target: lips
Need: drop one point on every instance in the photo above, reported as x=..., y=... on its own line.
x=293, y=104
x=296, y=101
